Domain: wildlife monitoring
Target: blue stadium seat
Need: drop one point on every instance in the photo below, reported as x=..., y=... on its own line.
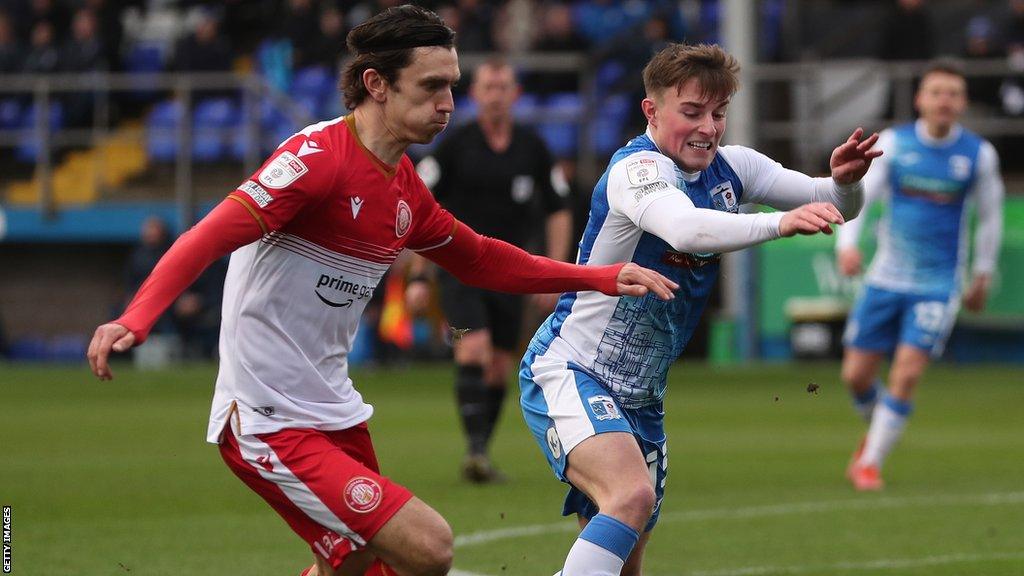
x=11, y=114
x=144, y=57
x=562, y=133
x=315, y=83
x=526, y=105
x=211, y=122
x=465, y=110
x=28, y=146
x=609, y=74
x=609, y=126
x=160, y=131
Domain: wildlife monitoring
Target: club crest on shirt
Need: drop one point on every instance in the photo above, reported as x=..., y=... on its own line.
x=724, y=198
x=959, y=166
x=282, y=171
x=641, y=171
x=362, y=494
x=604, y=408
x=403, y=220
x=554, y=444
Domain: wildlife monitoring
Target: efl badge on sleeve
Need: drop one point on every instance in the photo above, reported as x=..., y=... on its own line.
x=641, y=171
x=724, y=197
x=604, y=408
x=282, y=171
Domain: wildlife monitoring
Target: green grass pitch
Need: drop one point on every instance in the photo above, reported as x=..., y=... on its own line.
x=114, y=478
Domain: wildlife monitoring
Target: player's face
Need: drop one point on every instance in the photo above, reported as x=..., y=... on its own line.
x=495, y=90
x=420, y=103
x=941, y=99
x=687, y=125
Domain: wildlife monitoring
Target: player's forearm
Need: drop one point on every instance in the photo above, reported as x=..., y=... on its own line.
x=495, y=265
x=702, y=231
x=226, y=228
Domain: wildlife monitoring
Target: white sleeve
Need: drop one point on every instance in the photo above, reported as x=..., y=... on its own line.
x=989, y=192
x=876, y=185
x=767, y=182
x=643, y=187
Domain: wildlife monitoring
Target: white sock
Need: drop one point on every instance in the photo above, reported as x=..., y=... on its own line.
x=887, y=424
x=589, y=559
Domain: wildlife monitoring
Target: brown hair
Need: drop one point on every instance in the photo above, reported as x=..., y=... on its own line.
x=944, y=66
x=716, y=70
x=386, y=42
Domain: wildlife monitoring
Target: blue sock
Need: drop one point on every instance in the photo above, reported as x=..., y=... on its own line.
x=865, y=401
x=601, y=549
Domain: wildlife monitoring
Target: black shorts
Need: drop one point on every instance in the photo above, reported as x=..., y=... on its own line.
x=473, y=308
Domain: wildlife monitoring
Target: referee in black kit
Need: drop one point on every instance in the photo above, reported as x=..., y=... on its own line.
x=499, y=178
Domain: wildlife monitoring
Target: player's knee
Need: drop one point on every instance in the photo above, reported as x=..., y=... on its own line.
x=636, y=500
x=433, y=550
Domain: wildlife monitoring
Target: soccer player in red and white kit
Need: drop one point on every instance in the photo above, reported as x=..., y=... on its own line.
x=312, y=232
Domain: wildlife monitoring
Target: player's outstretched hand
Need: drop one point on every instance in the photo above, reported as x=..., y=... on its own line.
x=810, y=219
x=851, y=159
x=634, y=280
x=108, y=337
x=849, y=261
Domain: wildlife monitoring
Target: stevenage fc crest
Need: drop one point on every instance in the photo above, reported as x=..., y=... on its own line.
x=403, y=220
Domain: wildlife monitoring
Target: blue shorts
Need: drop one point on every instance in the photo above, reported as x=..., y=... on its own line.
x=563, y=405
x=881, y=319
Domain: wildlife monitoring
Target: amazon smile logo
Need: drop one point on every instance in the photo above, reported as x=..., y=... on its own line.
x=347, y=302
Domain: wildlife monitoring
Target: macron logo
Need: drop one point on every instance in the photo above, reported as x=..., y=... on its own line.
x=357, y=203
x=308, y=147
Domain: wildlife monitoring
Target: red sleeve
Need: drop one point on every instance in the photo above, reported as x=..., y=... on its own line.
x=495, y=265
x=229, y=226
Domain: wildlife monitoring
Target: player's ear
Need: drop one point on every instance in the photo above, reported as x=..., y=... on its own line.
x=650, y=109
x=375, y=84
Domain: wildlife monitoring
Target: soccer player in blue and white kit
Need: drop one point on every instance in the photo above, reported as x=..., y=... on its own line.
x=594, y=375
x=933, y=169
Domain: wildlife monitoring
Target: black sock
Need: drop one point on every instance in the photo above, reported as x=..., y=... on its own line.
x=495, y=398
x=471, y=395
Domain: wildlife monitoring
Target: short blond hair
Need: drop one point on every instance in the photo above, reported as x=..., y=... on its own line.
x=716, y=70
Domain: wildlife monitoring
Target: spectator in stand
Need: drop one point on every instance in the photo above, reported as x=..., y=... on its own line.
x=558, y=34
x=205, y=49
x=83, y=52
x=604, y=21
x=109, y=28
x=43, y=56
x=477, y=22
x=299, y=25
x=909, y=32
x=11, y=51
x=197, y=313
x=981, y=43
x=328, y=47
x=44, y=11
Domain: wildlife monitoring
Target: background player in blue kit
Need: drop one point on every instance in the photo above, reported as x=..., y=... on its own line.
x=932, y=169
x=593, y=378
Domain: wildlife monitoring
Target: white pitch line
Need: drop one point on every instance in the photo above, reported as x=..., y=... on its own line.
x=996, y=499
x=882, y=564
x=485, y=536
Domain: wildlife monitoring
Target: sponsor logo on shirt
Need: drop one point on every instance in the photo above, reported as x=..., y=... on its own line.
x=282, y=171
x=641, y=171
x=258, y=193
x=651, y=188
x=345, y=287
x=960, y=167
x=604, y=408
x=403, y=220
x=362, y=494
x=684, y=260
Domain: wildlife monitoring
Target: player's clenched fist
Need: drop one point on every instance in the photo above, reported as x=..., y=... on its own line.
x=107, y=337
x=810, y=219
x=634, y=280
